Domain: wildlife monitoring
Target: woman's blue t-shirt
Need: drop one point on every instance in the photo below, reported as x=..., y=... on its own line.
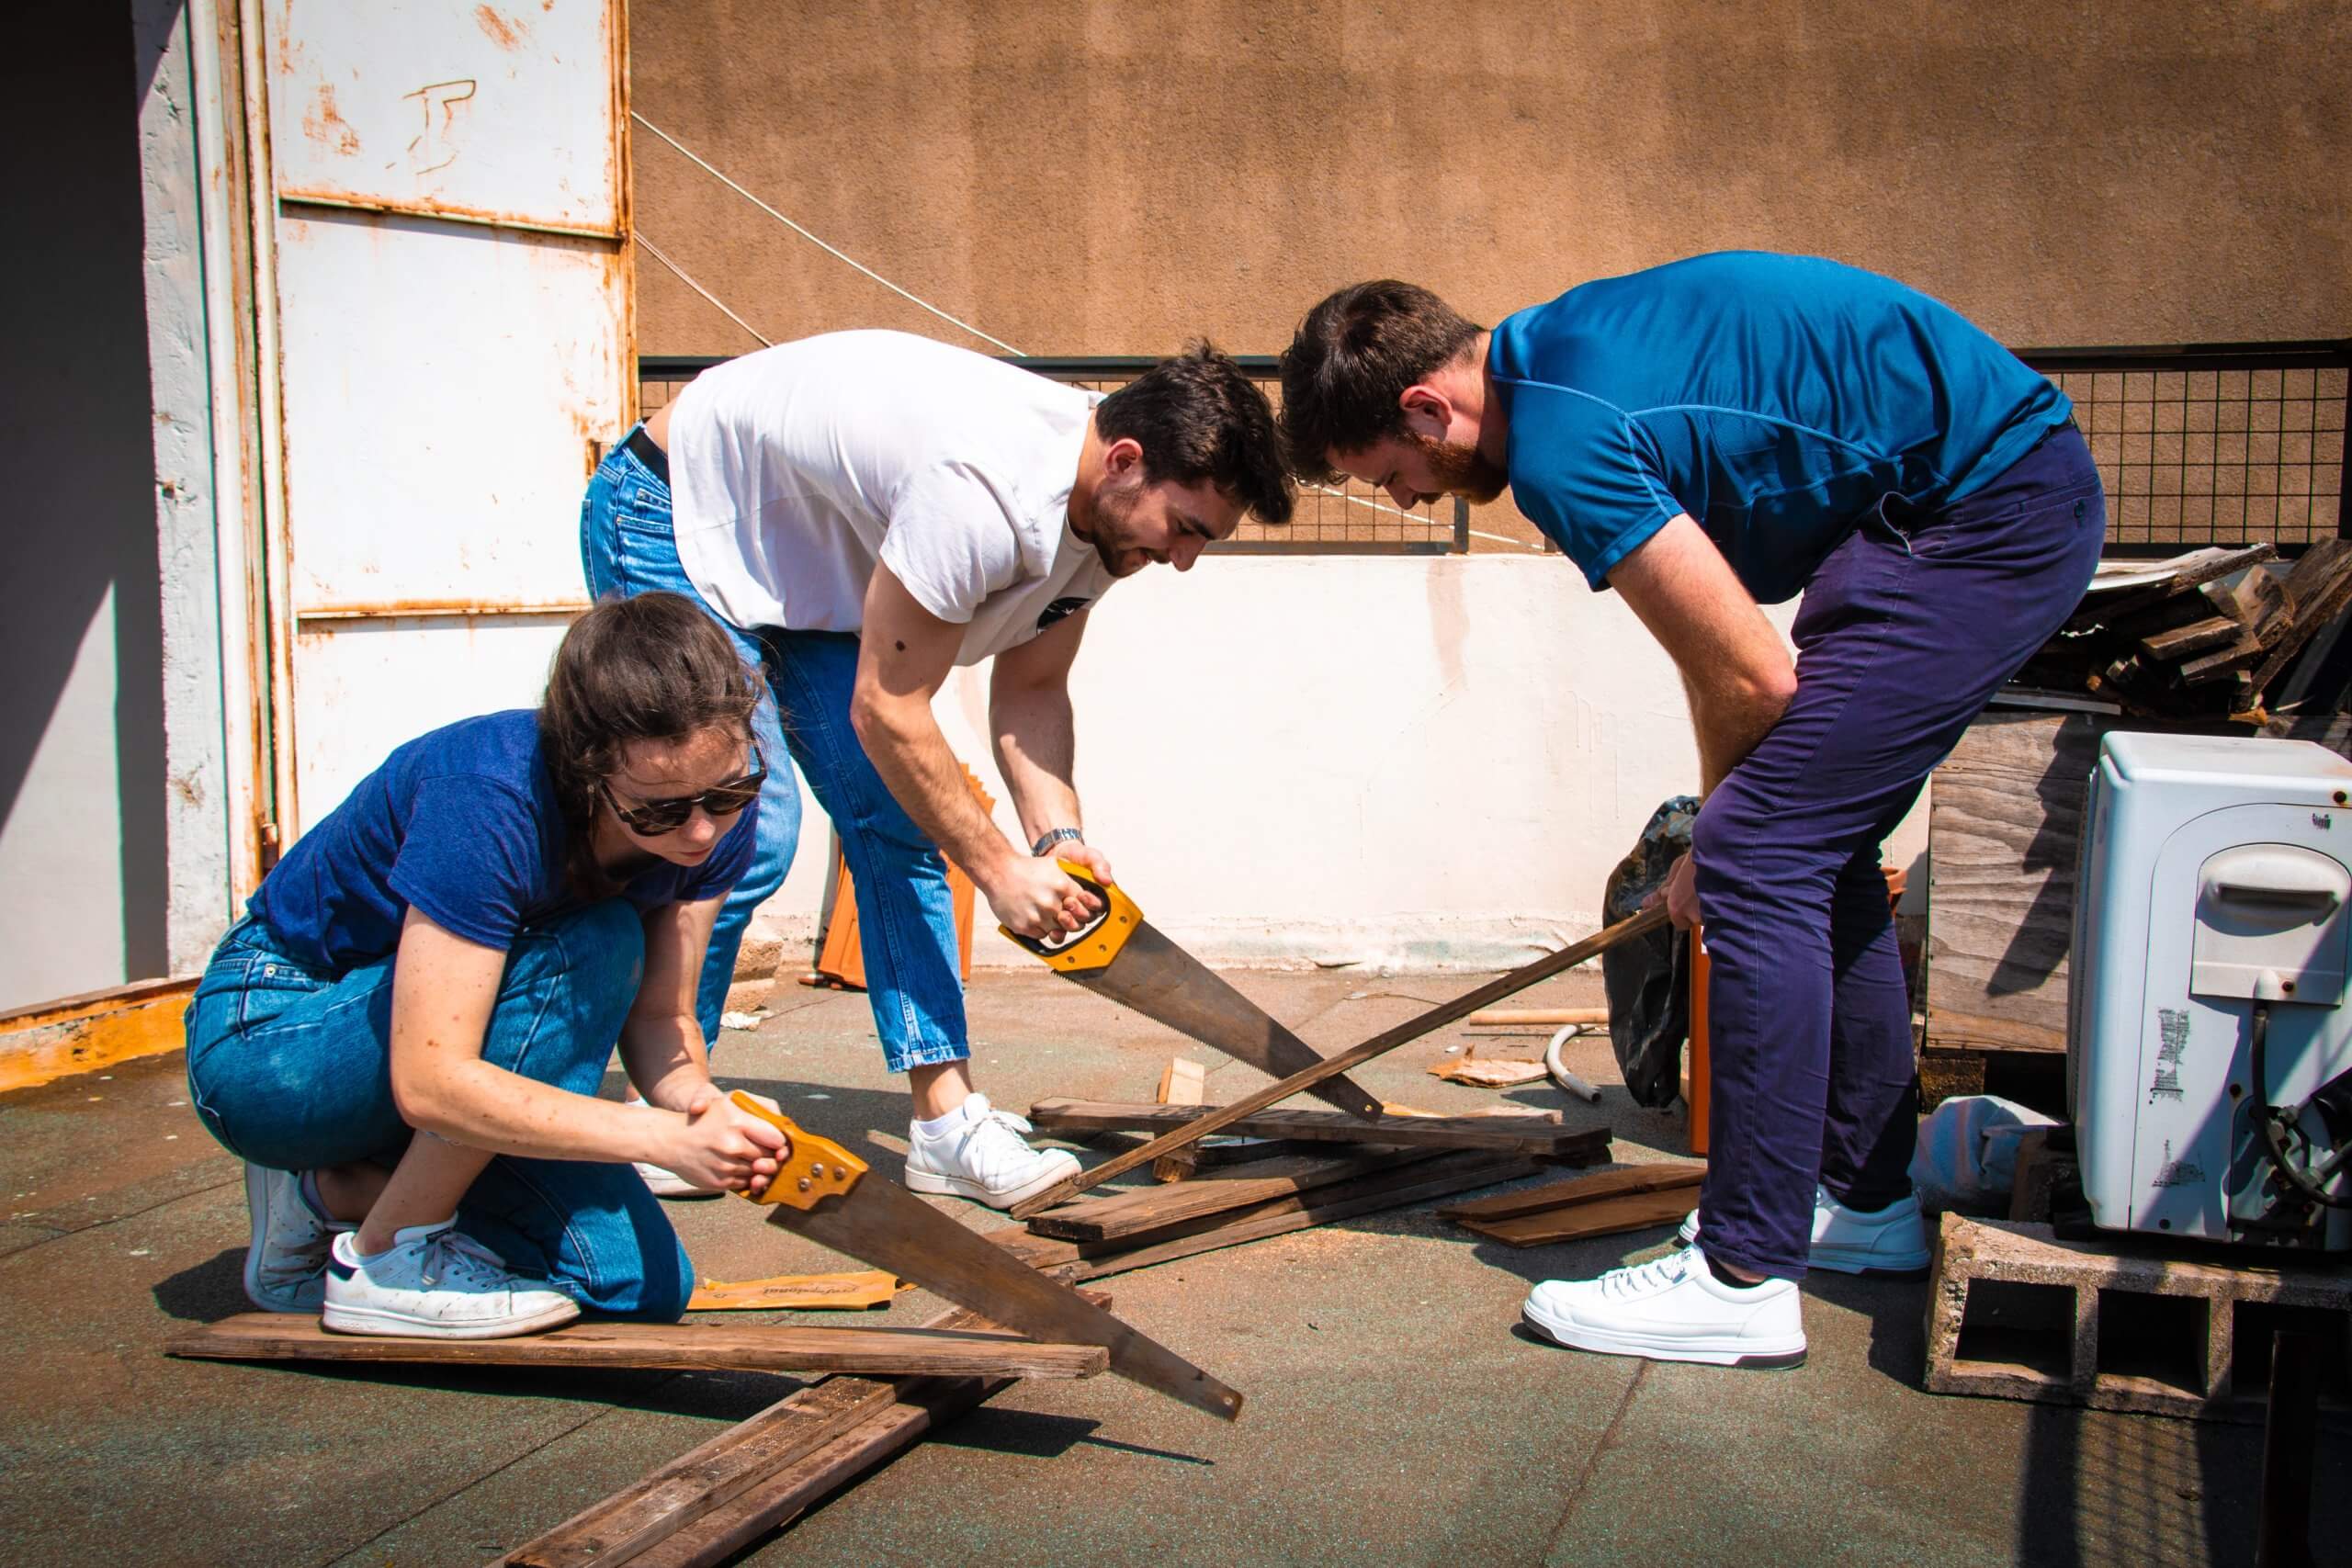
x=462, y=823
x=1772, y=398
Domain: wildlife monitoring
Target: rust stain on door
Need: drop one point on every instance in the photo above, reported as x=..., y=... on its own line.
x=324, y=124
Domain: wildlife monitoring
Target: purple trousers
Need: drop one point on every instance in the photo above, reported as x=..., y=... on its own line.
x=1906, y=632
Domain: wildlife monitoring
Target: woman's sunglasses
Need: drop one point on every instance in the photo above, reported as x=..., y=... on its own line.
x=654, y=818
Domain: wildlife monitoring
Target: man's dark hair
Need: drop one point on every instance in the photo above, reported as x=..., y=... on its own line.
x=1197, y=417
x=1352, y=358
x=652, y=668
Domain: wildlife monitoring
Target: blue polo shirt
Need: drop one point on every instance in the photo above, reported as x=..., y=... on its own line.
x=463, y=823
x=1773, y=398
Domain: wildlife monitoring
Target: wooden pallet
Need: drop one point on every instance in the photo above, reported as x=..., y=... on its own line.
x=2014, y=1313
x=1542, y=1134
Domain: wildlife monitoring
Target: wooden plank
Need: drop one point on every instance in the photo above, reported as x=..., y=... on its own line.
x=1660, y=1177
x=2197, y=637
x=1439, y=1177
x=860, y=1289
x=1610, y=1216
x=1547, y=1018
x=694, y=1347
x=727, y=1480
x=1156, y=1208
x=2003, y=819
x=2319, y=589
x=1354, y=1056
x=783, y=1494
x=96, y=1029
x=1538, y=1133
x=1185, y=1082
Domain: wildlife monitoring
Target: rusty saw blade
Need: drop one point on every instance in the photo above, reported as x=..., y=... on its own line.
x=1121, y=956
x=829, y=1195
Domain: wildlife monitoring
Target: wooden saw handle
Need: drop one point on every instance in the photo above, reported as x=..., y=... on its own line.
x=812, y=1168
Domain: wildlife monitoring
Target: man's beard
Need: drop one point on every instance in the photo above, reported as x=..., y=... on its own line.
x=1461, y=470
x=1106, y=526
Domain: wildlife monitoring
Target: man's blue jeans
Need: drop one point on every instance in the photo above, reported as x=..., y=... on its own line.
x=905, y=914
x=291, y=1068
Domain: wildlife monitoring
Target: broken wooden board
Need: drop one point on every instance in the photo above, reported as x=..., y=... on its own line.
x=1185, y=1082
x=852, y=1291
x=282, y=1336
x=1536, y=1133
x=759, y=1474
x=1662, y=1177
x=1608, y=1216
x=1442, y=1177
x=1140, y=1209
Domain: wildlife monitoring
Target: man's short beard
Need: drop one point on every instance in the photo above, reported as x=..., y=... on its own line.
x=1106, y=524
x=1461, y=470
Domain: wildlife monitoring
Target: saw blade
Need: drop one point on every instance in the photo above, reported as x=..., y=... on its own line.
x=1124, y=957
x=829, y=1195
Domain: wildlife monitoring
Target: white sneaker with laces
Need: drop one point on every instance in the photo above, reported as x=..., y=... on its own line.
x=285, y=1265
x=436, y=1283
x=984, y=1155
x=663, y=1182
x=1673, y=1309
x=1890, y=1243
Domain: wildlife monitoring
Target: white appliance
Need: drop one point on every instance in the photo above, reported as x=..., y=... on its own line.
x=2211, y=1080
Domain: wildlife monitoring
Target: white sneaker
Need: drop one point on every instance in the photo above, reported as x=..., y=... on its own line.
x=663, y=1182
x=1885, y=1243
x=1672, y=1309
x=285, y=1263
x=436, y=1283
x=984, y=1155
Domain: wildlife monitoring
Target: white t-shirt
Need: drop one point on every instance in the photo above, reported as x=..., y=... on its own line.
x=793, y=470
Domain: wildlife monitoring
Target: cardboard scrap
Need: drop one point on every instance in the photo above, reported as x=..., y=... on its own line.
x=1486, y=1072
x=799, y=1292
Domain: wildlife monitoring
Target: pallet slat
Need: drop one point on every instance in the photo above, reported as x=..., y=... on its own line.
x=1536, y=1134
x=280, y=1337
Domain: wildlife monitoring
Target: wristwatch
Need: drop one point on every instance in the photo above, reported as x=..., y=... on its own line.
x=1052, y=836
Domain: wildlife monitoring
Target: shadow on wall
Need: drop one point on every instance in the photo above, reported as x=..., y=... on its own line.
x=81, y=527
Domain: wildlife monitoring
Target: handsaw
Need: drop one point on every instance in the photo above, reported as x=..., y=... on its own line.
x=1213, y=1120
x=1121, y=956
x=828, y=1194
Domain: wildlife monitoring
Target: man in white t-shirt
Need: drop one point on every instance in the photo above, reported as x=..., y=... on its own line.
x=865, y=511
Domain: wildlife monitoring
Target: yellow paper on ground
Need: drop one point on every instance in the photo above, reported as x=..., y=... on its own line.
x=798, y=1293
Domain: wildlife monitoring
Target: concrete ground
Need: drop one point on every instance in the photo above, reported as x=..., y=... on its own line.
x=1394, y=1416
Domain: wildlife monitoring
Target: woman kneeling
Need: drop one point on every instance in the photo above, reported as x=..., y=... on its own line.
x=404, y=1036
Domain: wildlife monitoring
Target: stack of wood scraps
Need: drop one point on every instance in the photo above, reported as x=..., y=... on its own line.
x=2204, y=637
x=1606, y=1204
x=1319, y=1167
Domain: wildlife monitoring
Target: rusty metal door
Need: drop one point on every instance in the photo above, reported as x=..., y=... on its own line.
x=455, y=342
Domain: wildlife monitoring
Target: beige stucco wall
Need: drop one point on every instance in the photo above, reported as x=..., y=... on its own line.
x=1106, y=178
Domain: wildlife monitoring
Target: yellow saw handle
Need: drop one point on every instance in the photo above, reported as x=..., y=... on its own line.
x=1095, y=943
x=813, y=1168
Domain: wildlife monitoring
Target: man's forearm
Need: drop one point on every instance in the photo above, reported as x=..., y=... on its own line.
x=1037, y=751
x=1728, y=726
x=904, y=743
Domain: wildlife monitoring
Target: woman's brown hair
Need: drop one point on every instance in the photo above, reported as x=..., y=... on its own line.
x=652, y=668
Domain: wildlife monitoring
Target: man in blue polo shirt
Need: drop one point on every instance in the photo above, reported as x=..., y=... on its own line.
x=1704, y=437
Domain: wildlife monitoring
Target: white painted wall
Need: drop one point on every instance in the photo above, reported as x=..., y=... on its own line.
x=1400, y=762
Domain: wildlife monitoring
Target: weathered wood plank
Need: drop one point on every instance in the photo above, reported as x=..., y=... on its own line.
x=1139, y=1209
x=1438, y=1177
x=1610, y=1216
x=1661, y=1176
x=1535, y=1133
x=2003, y=822
x=751, y=1478
x=697, y=1347
x=2194, y=637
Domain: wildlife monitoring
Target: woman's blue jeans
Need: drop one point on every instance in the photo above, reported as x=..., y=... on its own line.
x=291, y=1068
x=906, y=913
